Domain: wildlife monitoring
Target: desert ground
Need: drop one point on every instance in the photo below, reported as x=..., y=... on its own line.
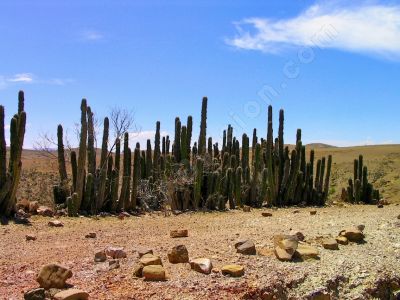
x=367, y=270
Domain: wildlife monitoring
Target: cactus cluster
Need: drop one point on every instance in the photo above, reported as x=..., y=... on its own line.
x=10, y=177
x=359, y=189
x=202, y=176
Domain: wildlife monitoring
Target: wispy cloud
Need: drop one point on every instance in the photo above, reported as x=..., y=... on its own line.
x=142, y=137
x=368, y=28
x=91, y=35
x=29, y=78
x=348, y=143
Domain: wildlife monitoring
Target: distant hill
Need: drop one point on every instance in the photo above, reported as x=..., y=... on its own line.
x=319, y=145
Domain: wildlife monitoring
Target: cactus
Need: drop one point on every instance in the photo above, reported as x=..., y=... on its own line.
x=198, y=183
x=62, y=170
x=123, y=202
x=135, y=176
x=157, y=152
x=189, y=127
x=177, y=141
x=203, y=127
x=103, y=165
x=149, y=160
x=238, y=186
x=183, y=144
x=210, y=147
x=91, y=151
x=9, y=179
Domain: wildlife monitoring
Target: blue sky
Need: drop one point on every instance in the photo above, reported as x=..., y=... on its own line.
x=334, y=68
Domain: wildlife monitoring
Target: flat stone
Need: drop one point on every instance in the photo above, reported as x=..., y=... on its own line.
x=180, y=233
x=153, y=273
x=313, y=212
x=30, y=237
x=138, y=270
x=55, y=223
x=296, y=211
x=305, y=251
x=71, y=294
x=142, y=251
x=330, y=244
x=282, y=254
x=233, y=270
x=45, y=211
x=113, y=264
x=246, y=247
x=178, y=254
x=342, y=240
x=116, y=252
x=266, y=214
x=33, y=207
x=298, y=234
x=35, y=294
x=286, y=242
x=53, y=276
x=246, y=208
x=100, y=256
x=201, y=265
x=150, y=259
x=353, y=234
x=91, y=235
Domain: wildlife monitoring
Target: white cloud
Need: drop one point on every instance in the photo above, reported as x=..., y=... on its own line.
x=92, y=35
x=22, y=77
x=369, y=28
x=142, y=137
x=29, y=78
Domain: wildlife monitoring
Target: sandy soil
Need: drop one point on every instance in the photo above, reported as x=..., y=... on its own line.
x=349, y=273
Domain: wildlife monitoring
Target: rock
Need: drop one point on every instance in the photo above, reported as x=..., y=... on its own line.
x=71, y=294
x=179, y=233
x=33, y=207
x=383, y=202
x=246, y=247
x=380, y=205
x=330, y=244
x=21, y=217
x=45, y=211
x=246, y=208
x=201, y=265
x=361, y=227
x=35, y=294
x=23, y=204
x=282, y=254
x=313, y=212
x=91, y=235
x=138, y=270
x=285, y=246
x=142, y=251
x=353, y=234
x=398, y=217
x=113, y=264
x=296, y=211
x=53, y=276
x=30, y=237
x=178, y=254
x=55, y=223
x=266, y=214
x=342, y=240
x=319, y=295
x=153, y=273
x=150, y=259
x=305, y=251
x=233, y=270
x=298, y=234
x=116, y=252
x=100, y=256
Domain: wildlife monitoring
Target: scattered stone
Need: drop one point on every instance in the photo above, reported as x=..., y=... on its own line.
x=313, y=212
x=35, y=294
x=266, y=214
x=246, y=208
x=113, y=264
x=282, y=254
x=266, y=252
x=100, y=256
x=233, y=270
x=150, y=259
x=319, y=295
x=361, y=227
x=91, y=235
x=23, y=204
x=298, y=234
x=53, y=276
x=142, y=251
x=55, y=223
x=353, y=234
x=330, y=244
x=380, y=205
x=246, y=247
x=342, y=240
x=305, y=251
x=116, y=252
x=296, y=211
x=398, y=217
x=285, y=246
x=30, y=237
x=124, y=214
x=33, y=207
x=178, y=254
x=383, y=202
x=21, y=217
x=179, y=233
x=153, y=273
x=201, y=265
x=138, y=270
x=45, y=211
x=71, y=294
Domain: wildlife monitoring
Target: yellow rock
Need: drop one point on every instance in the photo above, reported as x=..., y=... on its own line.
x=154, y=273
x=305, y=251
x=342, y=240
x=150, y=259
x=71, y=294
x=233, y=270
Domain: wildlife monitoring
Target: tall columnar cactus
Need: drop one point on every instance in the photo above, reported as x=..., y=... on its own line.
x=135, y=176
x=210, y=147
x=189, y=126
x=157, y=152
x=62, y=170
x=91, y=151
x=9, y=180
x=115, y=175
x=238, y=186
x=122, y=203
x=80, y=176
x=177, y=141
x=198, y=182
x=74, y=169
x=183, y=144
x=149, y=160
x=203, y=128
x=103, y=165
x=245, y=151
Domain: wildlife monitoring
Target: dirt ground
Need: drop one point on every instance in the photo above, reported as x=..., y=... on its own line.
x=352, y=272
